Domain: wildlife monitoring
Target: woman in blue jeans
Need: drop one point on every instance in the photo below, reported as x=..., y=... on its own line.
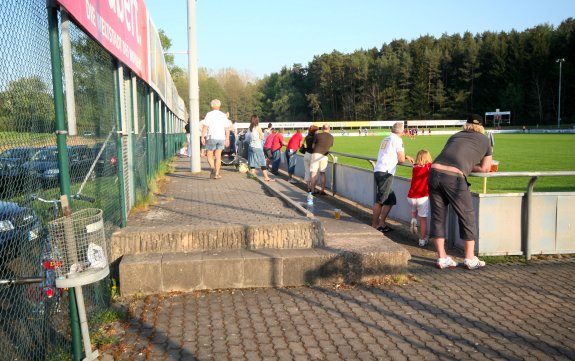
x=256, y=156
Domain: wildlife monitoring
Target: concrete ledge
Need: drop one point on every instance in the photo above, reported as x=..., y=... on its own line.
x=167, y=272
x=304, y=234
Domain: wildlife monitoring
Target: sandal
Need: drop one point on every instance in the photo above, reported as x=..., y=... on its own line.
x=217, y=176
x=270, y=180
x=384, y=229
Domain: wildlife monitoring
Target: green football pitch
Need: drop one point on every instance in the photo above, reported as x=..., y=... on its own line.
x=515, y=152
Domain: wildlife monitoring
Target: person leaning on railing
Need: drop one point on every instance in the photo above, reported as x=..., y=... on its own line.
x=466, y=151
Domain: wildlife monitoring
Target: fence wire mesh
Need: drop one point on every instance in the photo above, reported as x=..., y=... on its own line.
x=34, y=317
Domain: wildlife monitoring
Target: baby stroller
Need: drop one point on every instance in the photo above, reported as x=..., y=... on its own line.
x=233, y=154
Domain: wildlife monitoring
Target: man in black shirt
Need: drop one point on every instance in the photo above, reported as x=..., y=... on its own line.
x=466, y=151
x=322, y=142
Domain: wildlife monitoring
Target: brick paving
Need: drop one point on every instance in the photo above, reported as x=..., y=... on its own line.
x=503, y=312
x=513, y=311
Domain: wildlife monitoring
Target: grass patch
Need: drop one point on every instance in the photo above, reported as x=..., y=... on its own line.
x=155, y=185
x=102, y=330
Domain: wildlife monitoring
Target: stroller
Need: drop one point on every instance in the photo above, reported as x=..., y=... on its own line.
x=236, y=153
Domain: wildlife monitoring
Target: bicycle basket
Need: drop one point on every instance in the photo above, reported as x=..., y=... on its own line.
x=79, y=248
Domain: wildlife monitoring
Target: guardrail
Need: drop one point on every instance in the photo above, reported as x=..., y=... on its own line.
x=534, y=176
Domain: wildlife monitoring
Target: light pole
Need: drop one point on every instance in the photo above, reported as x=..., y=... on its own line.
x=560, y=61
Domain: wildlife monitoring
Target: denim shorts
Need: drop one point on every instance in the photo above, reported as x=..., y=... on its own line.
x=383, y=182
x=215, y=144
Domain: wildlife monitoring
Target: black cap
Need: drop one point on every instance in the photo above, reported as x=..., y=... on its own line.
x=474, y=119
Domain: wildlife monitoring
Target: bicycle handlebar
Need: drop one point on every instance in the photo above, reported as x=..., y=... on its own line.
x=21, y=281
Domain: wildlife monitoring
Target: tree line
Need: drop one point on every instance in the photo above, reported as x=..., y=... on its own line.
x=425, y=78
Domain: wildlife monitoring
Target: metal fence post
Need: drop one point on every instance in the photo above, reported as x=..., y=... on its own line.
x=63, y=161
x=119, y=148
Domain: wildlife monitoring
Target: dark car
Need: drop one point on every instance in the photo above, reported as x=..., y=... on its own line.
x=19, y=155
x=15, y=179
x=106, y=158
x=45, y=163
x=19, y=226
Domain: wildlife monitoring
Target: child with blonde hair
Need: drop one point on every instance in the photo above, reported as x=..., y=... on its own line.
x=418, y=195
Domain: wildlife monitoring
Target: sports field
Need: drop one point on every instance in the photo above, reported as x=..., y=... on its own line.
x=515, y=152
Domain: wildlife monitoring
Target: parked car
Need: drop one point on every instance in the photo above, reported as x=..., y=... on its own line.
x=106, y=163
x=15, y=179
x=45, y=163
x=18, y=226
x=19, y=154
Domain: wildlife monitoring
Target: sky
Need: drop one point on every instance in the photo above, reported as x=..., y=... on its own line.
x=259, y=37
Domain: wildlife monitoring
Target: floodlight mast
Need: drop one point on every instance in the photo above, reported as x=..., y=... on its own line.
x=560, y=61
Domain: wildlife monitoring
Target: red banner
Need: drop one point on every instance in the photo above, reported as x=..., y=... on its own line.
x=120, y=26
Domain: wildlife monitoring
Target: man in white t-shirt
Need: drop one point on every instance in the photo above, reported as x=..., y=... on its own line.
x=391, y=152
x=216, y=128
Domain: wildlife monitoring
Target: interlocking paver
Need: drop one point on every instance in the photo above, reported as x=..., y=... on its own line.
x=417, y=328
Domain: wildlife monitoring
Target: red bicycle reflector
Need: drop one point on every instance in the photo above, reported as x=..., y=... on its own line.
x=49, y=292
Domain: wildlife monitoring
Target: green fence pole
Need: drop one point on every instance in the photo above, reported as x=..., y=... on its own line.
x=119, y=149
x=63, y=161
x=149, y=153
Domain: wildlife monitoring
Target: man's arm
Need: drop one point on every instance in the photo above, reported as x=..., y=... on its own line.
x=204, y=132
x=484, y=166
x=402, y=157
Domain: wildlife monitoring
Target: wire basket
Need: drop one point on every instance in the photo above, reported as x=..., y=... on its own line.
x=79, y=248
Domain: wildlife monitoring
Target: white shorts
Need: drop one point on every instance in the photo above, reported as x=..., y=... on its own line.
x=420, y=204
x=318, y=163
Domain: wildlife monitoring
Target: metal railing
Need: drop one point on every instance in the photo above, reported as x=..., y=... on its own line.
x=534, y=176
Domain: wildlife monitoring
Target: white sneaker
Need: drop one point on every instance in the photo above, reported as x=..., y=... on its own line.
x=414, y=226
x=292, y=181
x=473, y=263
x=423, y=242
x=445, y=263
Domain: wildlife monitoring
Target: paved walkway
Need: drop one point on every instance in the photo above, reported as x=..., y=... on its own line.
x=503, y=312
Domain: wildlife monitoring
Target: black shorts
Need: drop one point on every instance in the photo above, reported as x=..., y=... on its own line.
x=450, y=189
x=383, y=183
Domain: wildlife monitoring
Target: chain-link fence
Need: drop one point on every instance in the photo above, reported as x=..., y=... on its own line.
x=115, y=140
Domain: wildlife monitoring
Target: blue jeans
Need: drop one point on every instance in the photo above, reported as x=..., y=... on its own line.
x=277, y=157
x=291, y=158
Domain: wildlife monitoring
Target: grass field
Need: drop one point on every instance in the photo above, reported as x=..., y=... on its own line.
x=515, y=152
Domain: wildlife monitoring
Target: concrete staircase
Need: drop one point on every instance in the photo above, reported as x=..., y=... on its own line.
x=176, y=247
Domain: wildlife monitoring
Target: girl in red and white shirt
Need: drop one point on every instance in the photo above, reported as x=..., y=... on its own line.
x=418, y=195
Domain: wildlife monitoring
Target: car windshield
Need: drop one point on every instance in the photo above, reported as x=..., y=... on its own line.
x=46, y=155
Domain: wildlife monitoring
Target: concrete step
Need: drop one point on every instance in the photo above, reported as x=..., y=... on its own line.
x=351, y=259
x=304, y=233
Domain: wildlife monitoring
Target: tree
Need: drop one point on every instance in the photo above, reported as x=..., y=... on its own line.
x=27, y=106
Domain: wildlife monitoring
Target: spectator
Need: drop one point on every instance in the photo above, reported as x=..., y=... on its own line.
x=256, y=154
x=466, y=151
x=322, y=142
x=292, y=147
x=216, y=126
x=276, y=146
x=391, y=152
x=307, y=156
x=268, y=147
x=418, y=195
